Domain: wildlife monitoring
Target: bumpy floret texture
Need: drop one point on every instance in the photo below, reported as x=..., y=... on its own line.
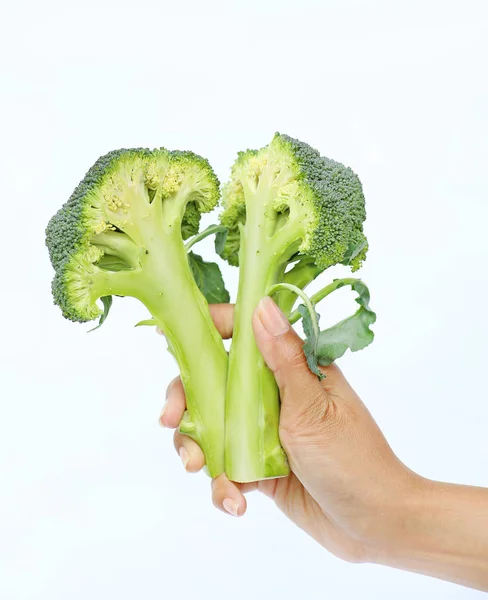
x=323, y=197
x=110, y=199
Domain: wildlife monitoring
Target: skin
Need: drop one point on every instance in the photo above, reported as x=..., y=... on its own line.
x=347, y=488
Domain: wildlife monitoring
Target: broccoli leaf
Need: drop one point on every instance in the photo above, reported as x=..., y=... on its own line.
x=220, y=239
x=148, y=322
x=353, y=251
x=208, y=279
x=353, y=333
x=107, y=304
x=310, y=346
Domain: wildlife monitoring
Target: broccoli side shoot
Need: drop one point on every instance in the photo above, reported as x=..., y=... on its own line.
x=122, y=233
x=291, y=214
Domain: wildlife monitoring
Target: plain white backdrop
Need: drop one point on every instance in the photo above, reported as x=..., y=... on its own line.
x=94, y=503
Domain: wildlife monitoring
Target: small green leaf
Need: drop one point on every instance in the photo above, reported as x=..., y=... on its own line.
x=312, y=336
x=148, y=322
x=353, y=251
x=208, y=279
x=107, y=303
x=220, y=239
x=353, y=333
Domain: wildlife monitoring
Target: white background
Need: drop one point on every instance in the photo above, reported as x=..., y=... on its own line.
x=94, y=502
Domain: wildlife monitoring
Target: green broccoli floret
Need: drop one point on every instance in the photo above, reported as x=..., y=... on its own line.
x=121, y=233
x=291, y=213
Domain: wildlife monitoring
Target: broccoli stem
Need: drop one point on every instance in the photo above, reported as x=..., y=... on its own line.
x=252, y=444
x=184, y=318
x=182, y=313
x=165, y=284
x=301, y=275
x=306, y=300
x=211, y=230
x=119, y=245
x=323, y=293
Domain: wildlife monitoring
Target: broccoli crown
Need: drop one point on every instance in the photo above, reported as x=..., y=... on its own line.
x=103, y=227
x=311, y=199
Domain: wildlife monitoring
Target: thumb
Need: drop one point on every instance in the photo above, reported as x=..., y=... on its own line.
x=282, y=349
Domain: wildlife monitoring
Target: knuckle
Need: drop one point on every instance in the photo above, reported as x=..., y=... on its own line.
x=340, y=416
x=216, y=483
x=314, y=413
x=294, y=355
x=172, y=386
x=292, y=358
x=320, y=415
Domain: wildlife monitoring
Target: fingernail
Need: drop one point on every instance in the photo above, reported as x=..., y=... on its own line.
x=185, y=457
x=231, y=507
x=163, y=412
x=273, y=320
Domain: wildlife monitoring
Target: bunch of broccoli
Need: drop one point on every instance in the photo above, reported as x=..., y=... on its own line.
x=288, y=214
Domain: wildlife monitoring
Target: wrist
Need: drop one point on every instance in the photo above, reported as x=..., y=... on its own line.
x=404, y=519
x=389, y=527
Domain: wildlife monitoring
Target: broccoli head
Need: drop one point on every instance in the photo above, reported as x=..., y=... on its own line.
x=308, y=204
x=110, y=222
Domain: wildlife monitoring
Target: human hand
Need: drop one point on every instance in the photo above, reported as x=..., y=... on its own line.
x=347, y=487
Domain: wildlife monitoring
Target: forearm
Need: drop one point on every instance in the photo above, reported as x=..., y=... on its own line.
x=443, y=532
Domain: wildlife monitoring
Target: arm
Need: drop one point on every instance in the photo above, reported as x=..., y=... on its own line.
x=443, y=533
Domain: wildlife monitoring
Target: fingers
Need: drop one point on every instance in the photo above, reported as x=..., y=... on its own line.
x=228, y=497
x=223, y=317
x=175, y=405
x=282, y=349
x=190, y=453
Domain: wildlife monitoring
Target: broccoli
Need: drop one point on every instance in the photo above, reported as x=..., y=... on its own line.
x=288, y=215
x=291, y=214
x=122, y=233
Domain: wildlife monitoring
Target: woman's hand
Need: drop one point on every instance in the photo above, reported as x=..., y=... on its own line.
x=346, y=486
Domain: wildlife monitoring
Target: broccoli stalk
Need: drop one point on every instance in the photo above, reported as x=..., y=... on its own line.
x=283, y=204
x=122, y=233
x=252, y=449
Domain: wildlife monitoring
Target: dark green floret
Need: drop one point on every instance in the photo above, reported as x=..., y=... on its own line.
x=319, y=198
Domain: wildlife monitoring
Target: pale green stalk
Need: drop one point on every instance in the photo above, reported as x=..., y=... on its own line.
x=252, y=445
x=168, y=290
